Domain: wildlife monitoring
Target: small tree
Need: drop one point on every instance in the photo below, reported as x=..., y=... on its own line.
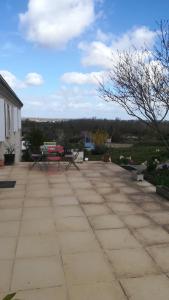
x=139, y=83
x=99, y=137
x=35, y=139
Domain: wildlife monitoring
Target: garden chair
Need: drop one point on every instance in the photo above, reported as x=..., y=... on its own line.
x=36, y=158
x=55, y=154
x=71, y=159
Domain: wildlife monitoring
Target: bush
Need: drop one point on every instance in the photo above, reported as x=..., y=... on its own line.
x=34, y=140
x=9, y=296
x=99, y=150
x=158, y=177
x=26, y=155
x=151, y=165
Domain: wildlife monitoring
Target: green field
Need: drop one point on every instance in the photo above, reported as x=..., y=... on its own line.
x=139, y=154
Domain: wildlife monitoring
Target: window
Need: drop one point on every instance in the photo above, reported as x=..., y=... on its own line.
x=7, y=119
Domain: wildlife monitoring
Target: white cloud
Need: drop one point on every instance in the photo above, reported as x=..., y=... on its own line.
x=31, y=79
x=11, y=79
x=53, y=23
x=82, y=78
x=102, y=36
x=70, y=102
x=98, y=53
x=34, y=79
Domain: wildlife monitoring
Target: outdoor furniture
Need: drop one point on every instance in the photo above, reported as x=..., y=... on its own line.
x=55, y=154
x=49, y=143
x=37, y=158
x=71, y=158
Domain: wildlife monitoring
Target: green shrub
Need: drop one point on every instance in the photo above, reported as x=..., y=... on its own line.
x=99, y=150
x=158, y=177
x=151, y=165
x=9, y=296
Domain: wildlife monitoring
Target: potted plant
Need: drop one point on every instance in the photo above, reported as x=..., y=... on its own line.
x=9, y=156
x=107, y=156
x=138, y=175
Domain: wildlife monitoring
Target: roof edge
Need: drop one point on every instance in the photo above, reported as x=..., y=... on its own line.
x=10, y=90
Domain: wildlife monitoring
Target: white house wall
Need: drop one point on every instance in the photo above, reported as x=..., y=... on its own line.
x=10, y=135
x=2, y=121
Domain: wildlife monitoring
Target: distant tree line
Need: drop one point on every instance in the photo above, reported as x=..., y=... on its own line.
x=74, y=130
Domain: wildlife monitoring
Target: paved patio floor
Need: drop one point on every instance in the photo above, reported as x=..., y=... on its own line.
x=91, y=234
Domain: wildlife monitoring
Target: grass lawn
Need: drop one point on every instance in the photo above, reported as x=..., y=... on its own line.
x=139, y=154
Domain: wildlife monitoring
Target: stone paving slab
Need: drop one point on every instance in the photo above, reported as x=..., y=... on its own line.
x=98, y=291
x=92, y=234
x=148, y=287
x=43, y=294
x=75, y=242
x=106, y=222
x=151, y=235
x=86, y=268
x=137, y=220
x=35, y=246
x=161, y=255
x=9, y=229
x=96, y=209
x=37, y=272
x=117, y=239
x=132, y=262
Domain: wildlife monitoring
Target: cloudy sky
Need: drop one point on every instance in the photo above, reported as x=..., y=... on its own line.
x=52, y=52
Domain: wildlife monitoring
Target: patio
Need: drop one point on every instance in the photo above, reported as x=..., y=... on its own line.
x=91, y=234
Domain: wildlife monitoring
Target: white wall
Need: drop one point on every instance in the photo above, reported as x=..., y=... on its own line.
x=2, y=121
x=10, y=127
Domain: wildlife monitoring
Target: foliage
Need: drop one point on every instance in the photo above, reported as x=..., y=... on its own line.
x=152, y=164
x=99, y=137
x=34, y=140
x=158, y=177
x=139, y=153
x=151, y=154
x=9, y=148
x=9, y=297
x=74, y=144
x=125, y=160
x=130, y=131
x=99, y=150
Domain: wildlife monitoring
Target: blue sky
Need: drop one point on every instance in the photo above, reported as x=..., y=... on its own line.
x=53, y=51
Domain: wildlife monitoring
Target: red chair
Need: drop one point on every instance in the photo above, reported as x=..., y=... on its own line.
x=55, y=154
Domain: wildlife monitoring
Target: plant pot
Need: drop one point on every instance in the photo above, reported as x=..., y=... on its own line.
x=9, y=159
x=137, y=177
x=106, y=158
x=162, y=191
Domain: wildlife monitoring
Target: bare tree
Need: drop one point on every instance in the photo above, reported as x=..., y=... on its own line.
x=139, y=83
x=162, y=47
